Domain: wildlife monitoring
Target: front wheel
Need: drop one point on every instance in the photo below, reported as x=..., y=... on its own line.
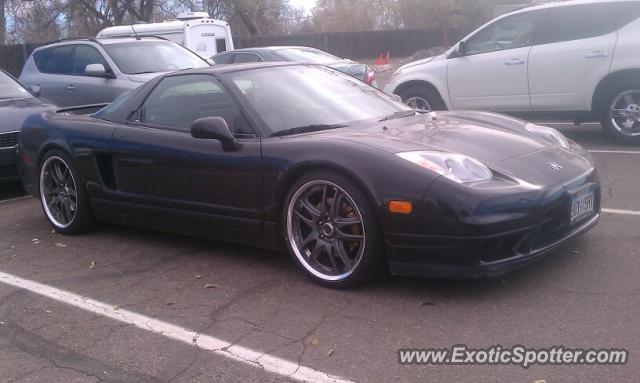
x=422, y=98
x=331, y=232
x=62, y=195
x=620, y=112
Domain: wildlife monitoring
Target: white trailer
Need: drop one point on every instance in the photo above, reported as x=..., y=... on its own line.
x=195, y=31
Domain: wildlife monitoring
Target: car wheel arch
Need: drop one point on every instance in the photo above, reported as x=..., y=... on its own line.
x=419, y=83
x=611, y=80
x=295, y=173
x=49, y=146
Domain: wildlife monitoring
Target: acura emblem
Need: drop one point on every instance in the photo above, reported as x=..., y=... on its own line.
x=554, y=166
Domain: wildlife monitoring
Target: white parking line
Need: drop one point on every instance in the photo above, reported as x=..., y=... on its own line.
x=619, y=211
x=614, y=151
x=217, y=346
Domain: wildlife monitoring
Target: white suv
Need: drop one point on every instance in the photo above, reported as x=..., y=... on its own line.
x=576, y=59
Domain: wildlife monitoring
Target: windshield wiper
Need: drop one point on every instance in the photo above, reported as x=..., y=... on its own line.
x=307, y=129
x=399, y=114
x=145, y=72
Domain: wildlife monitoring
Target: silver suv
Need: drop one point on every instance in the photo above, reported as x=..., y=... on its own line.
x=91, y=71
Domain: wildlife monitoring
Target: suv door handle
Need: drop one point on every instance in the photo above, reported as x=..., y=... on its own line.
x=514, y=61
x=596, y=54
x=71, y=87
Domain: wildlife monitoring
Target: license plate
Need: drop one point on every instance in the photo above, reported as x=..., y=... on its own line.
x=582, y=200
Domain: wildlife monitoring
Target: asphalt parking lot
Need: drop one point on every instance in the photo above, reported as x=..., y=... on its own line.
x=140, y=298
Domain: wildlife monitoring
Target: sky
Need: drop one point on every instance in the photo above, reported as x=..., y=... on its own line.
x=305, y=4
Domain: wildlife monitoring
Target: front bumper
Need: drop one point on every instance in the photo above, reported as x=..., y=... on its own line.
x=491, y=256
x=494, y=246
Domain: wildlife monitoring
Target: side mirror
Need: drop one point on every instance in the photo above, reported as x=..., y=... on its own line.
x=95, y=70
x=36, y=90
x=215, y=128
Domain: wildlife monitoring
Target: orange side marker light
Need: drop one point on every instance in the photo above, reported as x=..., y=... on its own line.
x=400, y=207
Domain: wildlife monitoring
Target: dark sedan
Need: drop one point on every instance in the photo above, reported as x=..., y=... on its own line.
x=344, y=177
x=298, y=55
x=16, y=103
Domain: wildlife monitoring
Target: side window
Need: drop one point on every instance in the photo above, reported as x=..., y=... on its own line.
x=508, y=33
x=85, y=55
x=177, y=101
x=247, y=58
x=223, y=59
x=59, y=60
x=40, y=57
x=621, y=14
x=574, y=23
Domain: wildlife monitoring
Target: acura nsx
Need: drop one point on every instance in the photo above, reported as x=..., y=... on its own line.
x=305, y=158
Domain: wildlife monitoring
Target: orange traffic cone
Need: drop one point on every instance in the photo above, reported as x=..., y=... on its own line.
x=379, y=61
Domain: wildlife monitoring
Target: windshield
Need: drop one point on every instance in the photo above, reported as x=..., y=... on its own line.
x=150, y=57
x=11, y=89
x=307, y=55
x=289, y=97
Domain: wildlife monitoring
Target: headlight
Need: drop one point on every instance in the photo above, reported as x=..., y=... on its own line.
x=456, y=167
x=550, y=135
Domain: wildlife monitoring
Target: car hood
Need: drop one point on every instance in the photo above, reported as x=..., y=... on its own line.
x=488, y=137
x=14, y=112
x=144, y=77
x=423, y=61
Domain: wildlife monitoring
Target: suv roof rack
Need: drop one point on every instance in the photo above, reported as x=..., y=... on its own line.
x=136, y=36
x=93, y=40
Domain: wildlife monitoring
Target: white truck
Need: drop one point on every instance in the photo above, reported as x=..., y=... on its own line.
x=194, y=30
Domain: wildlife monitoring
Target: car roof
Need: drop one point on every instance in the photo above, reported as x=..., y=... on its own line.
x=562, y=3
x=104, y=41
x=227, y=68
x=269, y=48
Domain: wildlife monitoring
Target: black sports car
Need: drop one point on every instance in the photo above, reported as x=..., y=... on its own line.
x=302, y=156
x=16, y=103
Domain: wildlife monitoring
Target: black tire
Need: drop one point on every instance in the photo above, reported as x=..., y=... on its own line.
x=609, y=97
x=425, y=93
x=82, y=217
x=370, y=262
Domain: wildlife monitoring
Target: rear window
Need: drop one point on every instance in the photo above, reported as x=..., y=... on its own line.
x=307, y=55
x=221, y=45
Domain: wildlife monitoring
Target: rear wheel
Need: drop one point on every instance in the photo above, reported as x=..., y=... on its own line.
x=620, y=112
x=331, y=232
x=63, y=198
x=422, y=97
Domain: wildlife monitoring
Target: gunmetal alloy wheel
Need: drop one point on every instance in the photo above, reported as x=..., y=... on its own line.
x=624, y=113
x=418, y=103
x=325, y=230
x=58, y=192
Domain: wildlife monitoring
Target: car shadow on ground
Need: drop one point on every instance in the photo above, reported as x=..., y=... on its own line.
x=11, y=190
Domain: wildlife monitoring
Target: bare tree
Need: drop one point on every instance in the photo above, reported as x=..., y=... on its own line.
x=3, y=22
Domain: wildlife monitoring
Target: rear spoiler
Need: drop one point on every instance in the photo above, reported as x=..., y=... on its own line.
x=72, y=109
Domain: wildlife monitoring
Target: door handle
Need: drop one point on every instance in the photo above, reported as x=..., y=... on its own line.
x=71, y=87
x=135, y=162
x=596, y=54
x=514, y=61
